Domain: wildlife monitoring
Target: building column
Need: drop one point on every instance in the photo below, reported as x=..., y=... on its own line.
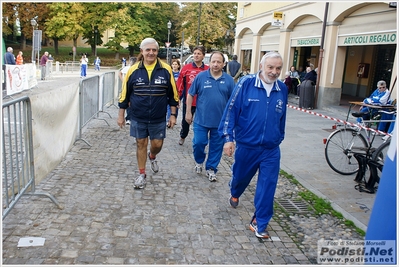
x=255, y=58
x=332, y=70
x=285, y=50
x=237, y=49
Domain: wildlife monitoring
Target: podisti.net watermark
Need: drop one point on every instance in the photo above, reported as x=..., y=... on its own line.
x=356, y=252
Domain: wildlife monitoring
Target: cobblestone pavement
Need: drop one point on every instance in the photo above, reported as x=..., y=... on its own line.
x=179, y=218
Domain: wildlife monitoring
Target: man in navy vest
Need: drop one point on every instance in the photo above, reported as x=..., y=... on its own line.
x=234, y=68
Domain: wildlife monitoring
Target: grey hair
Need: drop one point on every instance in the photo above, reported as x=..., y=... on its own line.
x=147, y=41
x=381, y=83
x=272, y=54
x=9, y=49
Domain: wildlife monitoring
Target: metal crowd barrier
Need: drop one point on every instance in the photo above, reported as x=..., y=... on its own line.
x=95, y=93
x=108, y=89
x=18, y=160
x=72, y=66
x=49, y=69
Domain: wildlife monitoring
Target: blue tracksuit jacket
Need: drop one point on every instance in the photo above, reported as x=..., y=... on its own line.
x=251, y=118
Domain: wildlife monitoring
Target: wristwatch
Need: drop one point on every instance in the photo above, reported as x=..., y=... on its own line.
x=173, y=114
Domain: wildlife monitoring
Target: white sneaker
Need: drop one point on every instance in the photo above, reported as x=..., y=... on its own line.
x=198, y=168
x=140, y=181
x=211, y=175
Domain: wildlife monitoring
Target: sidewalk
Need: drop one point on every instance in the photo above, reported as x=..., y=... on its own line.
x=303, y=157
x=180, y=217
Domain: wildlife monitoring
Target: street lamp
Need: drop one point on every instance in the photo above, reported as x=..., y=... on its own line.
x=95, y=40
x=33, y=23
x=167, y=49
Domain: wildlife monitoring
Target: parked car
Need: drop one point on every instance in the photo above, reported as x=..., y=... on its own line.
x=186, y=51
x=190, y=59
x=173, y=52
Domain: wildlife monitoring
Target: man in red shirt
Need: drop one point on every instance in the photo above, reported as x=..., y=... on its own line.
x=186, y=78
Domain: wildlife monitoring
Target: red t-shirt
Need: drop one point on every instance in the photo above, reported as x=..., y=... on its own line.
x=186, y=78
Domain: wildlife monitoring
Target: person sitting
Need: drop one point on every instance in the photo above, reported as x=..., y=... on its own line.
x=379, y=97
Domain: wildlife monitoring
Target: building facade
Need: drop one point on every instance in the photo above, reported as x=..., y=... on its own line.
x=353, y=44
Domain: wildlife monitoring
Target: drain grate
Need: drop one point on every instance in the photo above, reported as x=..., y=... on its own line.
x=294, y=206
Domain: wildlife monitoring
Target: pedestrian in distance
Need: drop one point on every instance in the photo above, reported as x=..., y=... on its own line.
x=287, y=80
x=253, y=126
x=97, y=63
x=9, y=57
x=176, y=71
x=149, y=86
x=20, y=58
x=234, y=68
x=186, y=78
x=213, y=89
x=83, y=66
x=122, y=74
x=307, y=88
x=294, y=79
x=43, y=65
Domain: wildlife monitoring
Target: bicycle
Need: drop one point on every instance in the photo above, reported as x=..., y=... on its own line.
x=342, y=144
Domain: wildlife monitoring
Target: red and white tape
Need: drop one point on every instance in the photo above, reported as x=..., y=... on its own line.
x=337, y=120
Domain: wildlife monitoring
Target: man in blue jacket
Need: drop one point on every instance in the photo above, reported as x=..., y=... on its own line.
x=147, y=89
x=254, y=119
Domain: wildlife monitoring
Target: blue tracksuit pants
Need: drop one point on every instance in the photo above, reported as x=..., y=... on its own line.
x=203, y=136
x=247, y=162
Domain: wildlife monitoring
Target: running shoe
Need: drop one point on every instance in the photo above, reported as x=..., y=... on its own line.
x=211, y=175
x=198, y=168
x=233, y=201
x=154, y=164
x=253, y=226
x=140, y=181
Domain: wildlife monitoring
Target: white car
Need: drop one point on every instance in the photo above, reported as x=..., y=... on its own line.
x=190, y=59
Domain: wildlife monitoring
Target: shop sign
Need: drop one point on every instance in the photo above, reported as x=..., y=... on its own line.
x=306, y=42
x=277, y=19
x=367, y=39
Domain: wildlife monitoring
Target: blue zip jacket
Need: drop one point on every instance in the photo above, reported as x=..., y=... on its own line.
x=251, y=118
x=148, y=97
x=212, y=97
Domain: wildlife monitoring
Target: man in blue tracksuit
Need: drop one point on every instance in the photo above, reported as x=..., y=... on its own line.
x=379, y=97
x=254, y=119
x=213, y=89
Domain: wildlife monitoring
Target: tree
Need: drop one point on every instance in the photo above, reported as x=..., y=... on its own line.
x=64, y=22
x=8, y=19
x=216, y=19
x=98, y=18
x=24, y=12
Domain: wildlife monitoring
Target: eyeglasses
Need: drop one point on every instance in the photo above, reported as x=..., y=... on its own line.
x=381, y=87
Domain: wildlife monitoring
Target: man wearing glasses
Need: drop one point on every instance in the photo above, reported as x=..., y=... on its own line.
x=379, y=97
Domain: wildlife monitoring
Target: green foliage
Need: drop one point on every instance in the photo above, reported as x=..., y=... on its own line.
x=217, y=22
x=130, y=22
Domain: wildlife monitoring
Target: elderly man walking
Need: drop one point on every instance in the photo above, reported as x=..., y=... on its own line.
x=148, y=87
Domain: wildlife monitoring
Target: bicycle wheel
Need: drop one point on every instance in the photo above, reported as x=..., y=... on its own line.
x=340, y=147
x=380, y=155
